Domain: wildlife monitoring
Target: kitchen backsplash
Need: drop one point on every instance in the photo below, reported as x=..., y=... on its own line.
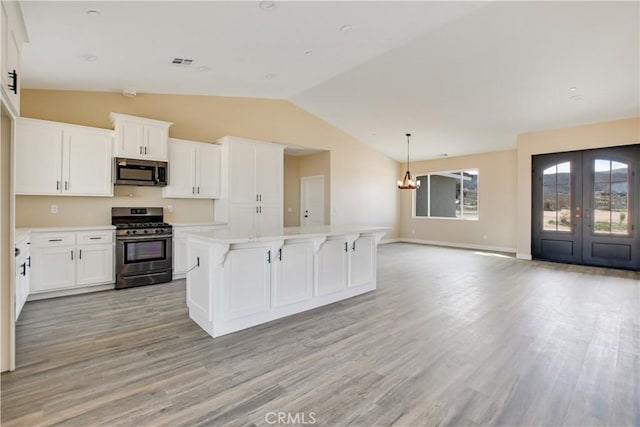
x=36, y=211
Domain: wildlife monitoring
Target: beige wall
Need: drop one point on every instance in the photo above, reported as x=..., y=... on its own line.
x=606, y=134
x=361, y=180
x=297, y=167
x=495, y=228
x=291, y=191
x=6, y=252
x=314, y=165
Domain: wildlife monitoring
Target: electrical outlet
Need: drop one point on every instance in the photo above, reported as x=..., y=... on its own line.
x=289, y=210
x=54, y=209
x=170, y=208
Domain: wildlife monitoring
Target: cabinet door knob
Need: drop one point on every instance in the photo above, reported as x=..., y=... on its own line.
x=280, y=254
x=353, y=246
x=346, y=247
x=198, y=190
x=71, y=254
x=66, y=185
x=57, y=185
x=80, y=254
x=269, y=256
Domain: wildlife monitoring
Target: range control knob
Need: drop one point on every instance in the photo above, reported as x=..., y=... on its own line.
x=146, y=231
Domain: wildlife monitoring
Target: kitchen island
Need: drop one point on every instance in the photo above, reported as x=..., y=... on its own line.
x=242, y=279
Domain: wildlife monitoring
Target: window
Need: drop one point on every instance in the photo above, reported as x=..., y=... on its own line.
x=447, y=195
x=611, y=197
x=556, y=197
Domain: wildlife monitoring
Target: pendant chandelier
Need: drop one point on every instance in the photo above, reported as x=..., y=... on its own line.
x=409, y=182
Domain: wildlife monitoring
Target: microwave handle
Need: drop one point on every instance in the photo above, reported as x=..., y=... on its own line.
x=157, y=175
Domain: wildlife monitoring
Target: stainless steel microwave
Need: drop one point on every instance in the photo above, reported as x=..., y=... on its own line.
x=140, y=172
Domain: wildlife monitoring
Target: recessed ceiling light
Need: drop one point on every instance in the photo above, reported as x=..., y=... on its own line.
x=203, y=68
x=308, y=52
x=267, y=5
x=576, y=97
x=89, y=57
x=93, y=13
x=346, y=28
x=573, y=89
x=270, y=76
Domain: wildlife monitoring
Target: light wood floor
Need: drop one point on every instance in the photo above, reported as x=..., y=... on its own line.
x=451, y=337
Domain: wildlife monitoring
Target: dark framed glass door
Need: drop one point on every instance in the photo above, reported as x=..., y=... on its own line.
x=586, y=207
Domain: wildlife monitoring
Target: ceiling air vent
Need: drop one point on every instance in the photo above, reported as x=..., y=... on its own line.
x=181, y=62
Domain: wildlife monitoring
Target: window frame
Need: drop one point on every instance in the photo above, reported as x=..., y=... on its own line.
x=452, y=171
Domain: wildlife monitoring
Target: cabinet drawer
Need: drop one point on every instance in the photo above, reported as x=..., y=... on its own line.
x=94, y=237
x=44, y=240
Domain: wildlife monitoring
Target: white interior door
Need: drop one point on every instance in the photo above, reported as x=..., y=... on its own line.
x=312, y=200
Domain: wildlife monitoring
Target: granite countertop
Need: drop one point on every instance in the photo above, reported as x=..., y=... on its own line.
x=23, y=230
x=198, y=224
x=234, y=237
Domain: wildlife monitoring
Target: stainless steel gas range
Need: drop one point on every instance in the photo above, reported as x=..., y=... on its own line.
x=143, y=247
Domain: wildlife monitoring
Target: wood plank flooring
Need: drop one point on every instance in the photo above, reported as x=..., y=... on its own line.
x=451, y=337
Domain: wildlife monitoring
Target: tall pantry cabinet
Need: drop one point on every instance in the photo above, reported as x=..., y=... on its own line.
x=252, y=184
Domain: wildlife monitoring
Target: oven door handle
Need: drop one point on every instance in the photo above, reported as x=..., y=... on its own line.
x=148, y=237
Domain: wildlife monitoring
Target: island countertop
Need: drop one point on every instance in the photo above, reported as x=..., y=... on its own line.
x=286, y=233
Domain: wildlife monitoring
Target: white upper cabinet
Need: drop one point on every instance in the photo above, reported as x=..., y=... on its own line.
x=87, y=162
x=38, y=157
x=140, y=138
x=194, y=170
x=252, y=184
x=242, y=172
x=13, y=34
x=61, y=159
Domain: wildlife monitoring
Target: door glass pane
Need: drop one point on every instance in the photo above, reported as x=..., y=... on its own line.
x=556, y=197
x=470, y=194
x=610, y=197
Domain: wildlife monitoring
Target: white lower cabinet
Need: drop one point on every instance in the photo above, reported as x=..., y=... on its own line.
x=293, y=274
x=95, y=264
x=71, y=260
x=331, y=272
x=53, y=268
x=362, y=263
x=248, y=280
x=180, y=256
x=23, y=273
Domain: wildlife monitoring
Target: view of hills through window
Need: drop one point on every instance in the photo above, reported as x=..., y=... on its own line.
x=610, y=195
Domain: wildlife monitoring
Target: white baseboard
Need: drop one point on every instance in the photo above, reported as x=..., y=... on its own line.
x=66, y=292
x=527, y=257
x=391, y=240
x=459, y=245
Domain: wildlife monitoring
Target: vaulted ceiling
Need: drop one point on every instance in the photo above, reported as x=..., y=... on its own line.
x=461, y=77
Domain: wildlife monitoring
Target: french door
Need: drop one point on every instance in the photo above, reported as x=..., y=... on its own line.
x=586, y=207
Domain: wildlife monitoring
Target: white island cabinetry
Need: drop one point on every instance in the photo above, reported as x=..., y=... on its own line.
x=180, y=233
x=244, y=279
